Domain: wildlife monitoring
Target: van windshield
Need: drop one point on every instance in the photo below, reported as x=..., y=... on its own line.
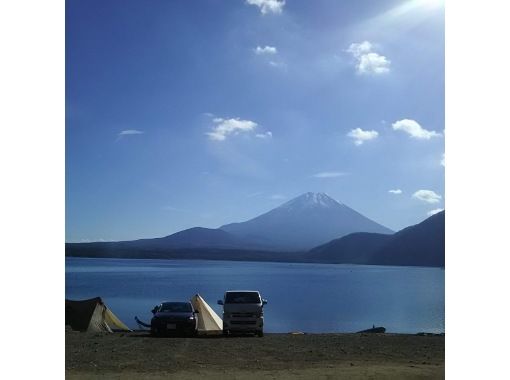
x=242, y=297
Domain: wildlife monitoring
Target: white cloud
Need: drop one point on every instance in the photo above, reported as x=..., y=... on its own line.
x=442, y=160
x=358, y=49
x=265, y=50
x=265, y=135
x=413, y=129
x=396, y=191
x=360, y=136
x=270, y=51
x=435, y=211
x=281, y=65
x=368, y=61
x=130, y=132
x=373, y=63
x=226, y=127
x=427, y=196
x=268, y=6
x=328, y=174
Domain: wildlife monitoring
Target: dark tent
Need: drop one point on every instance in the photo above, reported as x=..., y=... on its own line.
x=92, y=315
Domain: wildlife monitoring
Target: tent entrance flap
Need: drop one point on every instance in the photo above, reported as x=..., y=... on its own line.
x=92, y=315
x=208, y=321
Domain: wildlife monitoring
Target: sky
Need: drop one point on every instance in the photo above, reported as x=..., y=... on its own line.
x=202, y=113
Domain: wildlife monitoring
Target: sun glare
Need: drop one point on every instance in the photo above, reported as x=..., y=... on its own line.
x=429, y=3
x=410, y=11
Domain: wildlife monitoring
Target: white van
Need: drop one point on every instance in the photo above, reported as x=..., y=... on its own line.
x=243, y=312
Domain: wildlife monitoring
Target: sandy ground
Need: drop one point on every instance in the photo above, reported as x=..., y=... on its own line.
x=276, y=356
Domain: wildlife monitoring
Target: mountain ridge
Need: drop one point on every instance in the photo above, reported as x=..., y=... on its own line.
x=305, y=222
x=419, y=245
x=422, y=244
x=399, y=249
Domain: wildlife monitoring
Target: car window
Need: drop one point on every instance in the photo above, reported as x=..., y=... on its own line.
x=242, y=297
x=176, y=307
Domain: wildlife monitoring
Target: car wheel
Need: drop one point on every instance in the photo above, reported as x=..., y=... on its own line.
x=225, y=332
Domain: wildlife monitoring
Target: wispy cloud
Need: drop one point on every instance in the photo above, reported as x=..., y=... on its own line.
x=360, y=136
x=128, y=132
x=396, y=191
x=270, y=51
x=368, y=61
x=265, y=135
x=266, y=50
x=277, y=197
x=414, y=129
x=427, y=196
x=278, y=64
x=329, y=174
x=226, y=127
x=268, y=6
x=435, y=211
x=442, y=160
x=86, y=240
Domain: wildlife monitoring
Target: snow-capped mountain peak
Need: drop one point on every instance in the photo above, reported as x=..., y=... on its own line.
x=304, y=222
x=308, y=200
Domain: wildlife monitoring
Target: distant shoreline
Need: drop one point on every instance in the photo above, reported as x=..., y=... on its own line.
x=247, y=261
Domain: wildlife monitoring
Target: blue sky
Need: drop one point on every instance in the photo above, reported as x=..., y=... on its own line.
x=201, y=113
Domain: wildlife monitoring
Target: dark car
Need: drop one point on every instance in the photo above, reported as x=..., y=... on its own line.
x=174, y=318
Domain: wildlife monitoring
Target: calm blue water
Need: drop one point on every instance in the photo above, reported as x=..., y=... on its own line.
x=302, y=297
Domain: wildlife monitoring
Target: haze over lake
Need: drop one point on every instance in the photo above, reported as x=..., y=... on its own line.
x=302, y=297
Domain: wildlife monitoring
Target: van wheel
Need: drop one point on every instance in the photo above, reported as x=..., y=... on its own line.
x=260, y=333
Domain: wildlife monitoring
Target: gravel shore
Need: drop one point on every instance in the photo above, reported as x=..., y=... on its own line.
x=137, y=355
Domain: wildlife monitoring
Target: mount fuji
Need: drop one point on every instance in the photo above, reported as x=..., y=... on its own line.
x=304, y=222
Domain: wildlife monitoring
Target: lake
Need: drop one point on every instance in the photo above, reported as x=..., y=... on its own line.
x=301, y=297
